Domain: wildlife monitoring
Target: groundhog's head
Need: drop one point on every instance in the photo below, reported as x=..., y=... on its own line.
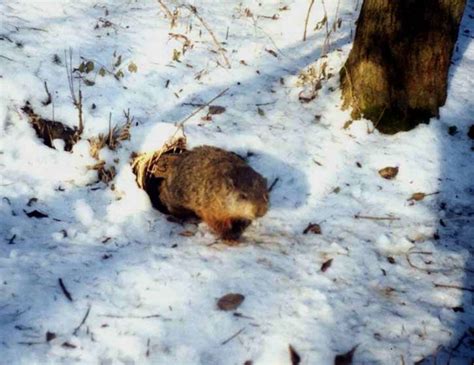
x=248, y=193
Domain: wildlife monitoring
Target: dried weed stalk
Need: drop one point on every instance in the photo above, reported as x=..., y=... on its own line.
x=218, y=45
x=313, y=76
x=307, y=18
x=112, y=140
x=77, y=101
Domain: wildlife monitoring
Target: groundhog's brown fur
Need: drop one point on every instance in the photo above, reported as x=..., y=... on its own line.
x=216, y=185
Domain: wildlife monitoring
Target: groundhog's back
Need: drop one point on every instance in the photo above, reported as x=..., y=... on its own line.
x=210, y=181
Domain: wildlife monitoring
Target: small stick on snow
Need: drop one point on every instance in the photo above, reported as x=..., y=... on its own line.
x=49, y=98
x=413, y=265
x=233, y=336
x=273, y=184
x=147, y=354
x=453, y=287
x=65, y=291
x=357, y=216
x=132, y=316
x=82, y=322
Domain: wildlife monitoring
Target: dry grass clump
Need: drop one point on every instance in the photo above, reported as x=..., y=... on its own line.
x=112, y=140
x=144, y=164
x=313, y=77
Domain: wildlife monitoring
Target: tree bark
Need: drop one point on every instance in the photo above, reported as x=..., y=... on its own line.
x=397, y=71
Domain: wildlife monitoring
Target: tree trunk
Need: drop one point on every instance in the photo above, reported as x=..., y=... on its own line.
x=396, y=74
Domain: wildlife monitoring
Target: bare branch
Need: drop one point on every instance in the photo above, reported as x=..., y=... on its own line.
x=220, y=49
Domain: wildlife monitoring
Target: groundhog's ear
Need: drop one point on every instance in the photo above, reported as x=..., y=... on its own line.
x=230, y=183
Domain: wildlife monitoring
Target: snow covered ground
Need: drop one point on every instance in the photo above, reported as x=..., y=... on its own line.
x=146, y=288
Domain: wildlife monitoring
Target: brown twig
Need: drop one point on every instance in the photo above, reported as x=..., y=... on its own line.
x=82, y=322
x=233, y=336
x=453, y=287
x=70, y=78
x=165, y=8
x=201, y=107
x=79, y=109
x=147, y=354
x=131, y=316
x=193, y=10
x=357, y=216
x=49, y=98
x=66, y=292
x=306, y=20
x=273, y=184
x=407, y=256
x=69, y=71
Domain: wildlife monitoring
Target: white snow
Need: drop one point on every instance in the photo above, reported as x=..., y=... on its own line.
x=152, y=285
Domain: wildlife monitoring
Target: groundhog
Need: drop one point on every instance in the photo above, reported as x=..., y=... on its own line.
x=216, y=185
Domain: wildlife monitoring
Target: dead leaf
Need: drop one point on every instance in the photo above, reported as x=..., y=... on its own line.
x=306, y=99
x=36, y=214
x=294, y=356
x=82, y=67
x=132, y=67
x=345, y=359
x=216, y=109
x=388, y=172
x=89, y=66
x=176, y=55
x=68, y=345
x=119, y=74
x=11, y=241
x=50, y=336
x=187, y=233
x=417, y=196
x=119, y=61
x=347, y=124
x=272, y=52
x=326, y=265
x=470, y=133
x=313, y=228
x=321, y=23
x=230, y=301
